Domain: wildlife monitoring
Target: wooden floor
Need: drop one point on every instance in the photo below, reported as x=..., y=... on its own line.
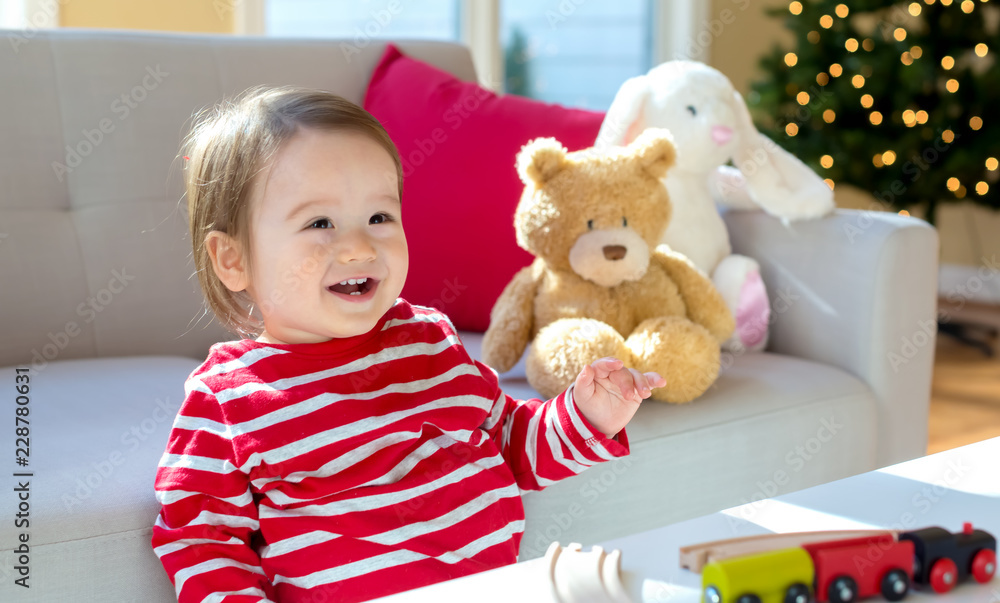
x=965, y=396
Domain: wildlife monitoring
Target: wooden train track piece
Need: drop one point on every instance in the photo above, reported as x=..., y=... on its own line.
x=694, y=557
x=579, y=576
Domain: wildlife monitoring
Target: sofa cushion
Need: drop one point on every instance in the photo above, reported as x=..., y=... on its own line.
x=458, y=142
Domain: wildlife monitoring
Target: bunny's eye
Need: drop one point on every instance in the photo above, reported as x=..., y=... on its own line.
x=590, y=225
x=692, y=110
x=624, y=221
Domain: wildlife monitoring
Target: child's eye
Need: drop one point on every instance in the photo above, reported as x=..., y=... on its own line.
x=322, y=223
x=379, y=218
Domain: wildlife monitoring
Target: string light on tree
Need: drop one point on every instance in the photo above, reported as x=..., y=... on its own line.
x=918, y=76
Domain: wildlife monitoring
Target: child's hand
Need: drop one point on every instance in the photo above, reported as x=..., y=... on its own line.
x=609, y=394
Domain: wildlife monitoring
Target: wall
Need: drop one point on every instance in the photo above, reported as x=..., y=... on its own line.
x=968, y=233
x=201, y=16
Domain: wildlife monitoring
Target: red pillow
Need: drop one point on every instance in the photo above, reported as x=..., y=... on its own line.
x=458, y=142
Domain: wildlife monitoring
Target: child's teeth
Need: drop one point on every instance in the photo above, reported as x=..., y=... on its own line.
x=355, y=293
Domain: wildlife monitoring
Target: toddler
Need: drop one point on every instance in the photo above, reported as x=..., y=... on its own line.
x=347, y=446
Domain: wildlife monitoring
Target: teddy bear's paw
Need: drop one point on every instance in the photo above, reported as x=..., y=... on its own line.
x=562, y=348
x=684, y=353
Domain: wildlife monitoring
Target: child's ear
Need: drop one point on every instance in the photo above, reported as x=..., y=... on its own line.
x=227, y=260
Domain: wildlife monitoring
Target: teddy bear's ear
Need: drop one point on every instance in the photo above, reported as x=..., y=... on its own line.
x=540, y=160
x=655, y=150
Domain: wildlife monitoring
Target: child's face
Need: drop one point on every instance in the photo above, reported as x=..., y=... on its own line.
x=326, y=210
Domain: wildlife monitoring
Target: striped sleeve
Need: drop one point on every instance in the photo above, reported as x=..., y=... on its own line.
x=546, y=441
x=208, y=516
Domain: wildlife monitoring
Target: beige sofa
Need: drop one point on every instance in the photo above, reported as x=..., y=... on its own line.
x=97, y=295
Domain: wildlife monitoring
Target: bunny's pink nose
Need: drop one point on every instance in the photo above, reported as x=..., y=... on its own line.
x=721, y=134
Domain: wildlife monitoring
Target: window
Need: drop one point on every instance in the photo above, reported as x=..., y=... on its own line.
x=434, y=19
x=573, y=52
x=28, y=14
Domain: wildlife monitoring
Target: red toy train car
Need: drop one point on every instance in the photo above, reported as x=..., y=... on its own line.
x=847, y=570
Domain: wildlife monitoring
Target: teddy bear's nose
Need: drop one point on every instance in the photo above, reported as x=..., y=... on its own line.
x=614, y=252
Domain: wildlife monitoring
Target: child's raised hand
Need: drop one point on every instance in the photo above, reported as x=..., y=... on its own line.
x=608, y=394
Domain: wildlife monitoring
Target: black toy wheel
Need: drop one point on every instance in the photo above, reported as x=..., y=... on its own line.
x=797, y=593
x=843, y=589
x=895, y=585
x=748, y=599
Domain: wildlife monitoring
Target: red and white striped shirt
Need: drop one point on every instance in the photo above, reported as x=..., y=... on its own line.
x=354, y=468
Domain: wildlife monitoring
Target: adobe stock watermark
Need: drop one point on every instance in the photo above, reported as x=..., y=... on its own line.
x=920, y=504
x=781, y=302
x=131, y=439
x=122, y=107
x=914, y=168
x=454, y=116
x=710, y=30
x=375, y=26
x=44, y=18
x=591, y=491
x=88, y=311
x=923, y=335
x=562, y=12
x=796, y=459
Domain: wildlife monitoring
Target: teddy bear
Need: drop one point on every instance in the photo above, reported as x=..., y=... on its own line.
x=711, y=126
x=600, y=284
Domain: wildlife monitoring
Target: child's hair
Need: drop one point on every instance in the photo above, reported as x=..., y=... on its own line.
x=231, y=143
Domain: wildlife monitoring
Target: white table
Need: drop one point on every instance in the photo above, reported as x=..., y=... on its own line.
x=944, y=489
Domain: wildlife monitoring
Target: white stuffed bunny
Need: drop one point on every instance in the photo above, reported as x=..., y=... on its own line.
x=710, y=124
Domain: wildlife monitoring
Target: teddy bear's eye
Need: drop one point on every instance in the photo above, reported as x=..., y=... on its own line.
x=692, y=110
x=624, y=221
x=590, y=225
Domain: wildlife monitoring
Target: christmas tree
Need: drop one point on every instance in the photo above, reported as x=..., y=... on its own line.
x=901, y=99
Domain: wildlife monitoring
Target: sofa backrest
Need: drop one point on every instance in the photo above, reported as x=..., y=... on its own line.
x=95, y=258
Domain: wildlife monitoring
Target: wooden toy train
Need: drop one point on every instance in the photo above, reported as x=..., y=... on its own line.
x=840, y=567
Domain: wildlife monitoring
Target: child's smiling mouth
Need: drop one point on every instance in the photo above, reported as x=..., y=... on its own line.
x=355, y=289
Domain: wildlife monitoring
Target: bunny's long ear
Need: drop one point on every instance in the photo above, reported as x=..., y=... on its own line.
x=777, y=180
x=625, y=118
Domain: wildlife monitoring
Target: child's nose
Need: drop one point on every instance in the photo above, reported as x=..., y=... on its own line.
x=355, y=246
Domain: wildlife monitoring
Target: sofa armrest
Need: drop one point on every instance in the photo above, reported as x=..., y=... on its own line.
x=857, y=290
